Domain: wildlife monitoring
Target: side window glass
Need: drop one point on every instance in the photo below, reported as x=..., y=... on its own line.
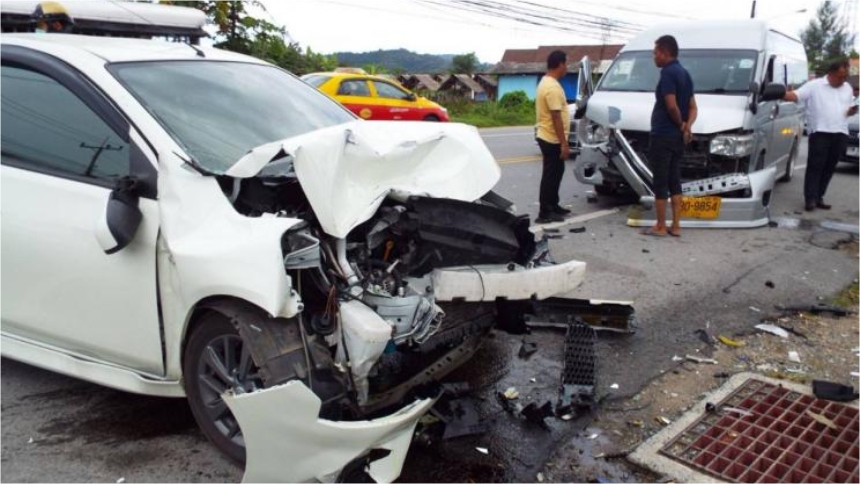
x=48, y=128
x=353, y=88
x=383, y=89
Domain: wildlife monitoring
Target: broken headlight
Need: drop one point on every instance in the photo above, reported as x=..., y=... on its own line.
x=596, y=134
x=734, y=146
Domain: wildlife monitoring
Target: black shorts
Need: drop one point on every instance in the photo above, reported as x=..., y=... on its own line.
x=664, y=156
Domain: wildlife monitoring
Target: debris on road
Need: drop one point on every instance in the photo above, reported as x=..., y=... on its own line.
x=821, y=419
x=753, y=308
x=30, y=441
x=577, y=230
x=120, y=480
x=483, y=450
x=614, y=386
x=697, y=359
x=730, y=342
x=815, y=309
x=705, y=337
x=636, y=423
x=770, y=284
x=578, y=376
x=663, y=420
x=528, y=348
x=775, y=330
x=677, y=358
x=794, y=356
x=536, y=415
x=460, y=416
x=511, y=393
x=540, y=477
x=833, y=391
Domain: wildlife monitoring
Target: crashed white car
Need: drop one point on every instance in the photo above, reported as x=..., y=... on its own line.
x=180, y=221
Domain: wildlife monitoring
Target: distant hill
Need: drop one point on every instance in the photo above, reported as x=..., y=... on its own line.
x=400, y=60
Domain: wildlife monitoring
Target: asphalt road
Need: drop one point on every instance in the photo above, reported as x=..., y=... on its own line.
x=60, y=429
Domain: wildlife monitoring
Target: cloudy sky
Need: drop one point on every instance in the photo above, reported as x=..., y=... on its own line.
x=488, y=27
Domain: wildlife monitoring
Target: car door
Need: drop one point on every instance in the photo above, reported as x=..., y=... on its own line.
x=765, y=122
x=64, y=148
x=399, y=104
x=355, y=95
x=786, y=119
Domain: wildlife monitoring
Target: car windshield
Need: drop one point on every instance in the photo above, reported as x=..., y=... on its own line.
x=218, y=111
x=316, y=80
x=712, y=71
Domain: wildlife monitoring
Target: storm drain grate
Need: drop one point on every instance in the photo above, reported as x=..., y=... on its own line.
x=578, y=375
x=766, y=433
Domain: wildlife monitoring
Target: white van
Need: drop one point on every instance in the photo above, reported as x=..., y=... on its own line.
x=745, y=136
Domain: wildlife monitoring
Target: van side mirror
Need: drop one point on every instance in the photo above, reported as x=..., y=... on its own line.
x=754, y=87
x=773, y=91
x=122, y=217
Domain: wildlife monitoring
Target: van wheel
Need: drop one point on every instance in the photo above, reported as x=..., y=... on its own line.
x=789, y=165
x=217, y=359
x=431, y=117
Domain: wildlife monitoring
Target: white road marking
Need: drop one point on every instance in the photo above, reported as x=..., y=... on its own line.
x=574, y=220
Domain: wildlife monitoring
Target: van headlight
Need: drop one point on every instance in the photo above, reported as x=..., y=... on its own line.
x=734, y=146
x=596, y=134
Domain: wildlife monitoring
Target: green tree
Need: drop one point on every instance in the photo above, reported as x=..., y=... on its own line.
x=464, y=64
x=239, y=31
x=826, y=38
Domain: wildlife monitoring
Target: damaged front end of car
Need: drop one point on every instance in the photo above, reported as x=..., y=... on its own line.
x=402, y=260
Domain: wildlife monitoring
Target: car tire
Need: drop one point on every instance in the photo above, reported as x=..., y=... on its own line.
x=215, y=340
x=604, y=189
x=789, y=164
x=431, y=117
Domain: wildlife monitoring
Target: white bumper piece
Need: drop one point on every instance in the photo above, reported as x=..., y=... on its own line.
x=488, y=282
x=286, y=441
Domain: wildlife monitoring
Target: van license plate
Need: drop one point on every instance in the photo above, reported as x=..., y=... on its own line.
x=701, y=207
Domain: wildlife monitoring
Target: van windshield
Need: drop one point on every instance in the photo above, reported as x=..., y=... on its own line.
x=713, y=71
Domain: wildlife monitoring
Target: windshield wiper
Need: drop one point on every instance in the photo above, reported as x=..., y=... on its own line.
x=720, y=90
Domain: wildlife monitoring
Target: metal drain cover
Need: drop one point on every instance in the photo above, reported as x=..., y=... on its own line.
x=774, y=435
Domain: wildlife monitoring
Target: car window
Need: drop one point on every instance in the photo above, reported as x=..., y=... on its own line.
x=356, y=87
x=386, y=90
x=218, y=111
x=46, y=127
x=712, y=71
x=315, y=80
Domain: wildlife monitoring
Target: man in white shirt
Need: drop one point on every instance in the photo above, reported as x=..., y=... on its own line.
x=829, y=104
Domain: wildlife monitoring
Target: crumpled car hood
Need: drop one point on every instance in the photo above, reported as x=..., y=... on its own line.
x=348, y=170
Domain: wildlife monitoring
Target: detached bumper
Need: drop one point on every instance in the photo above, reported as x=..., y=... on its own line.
x=286, y=441
x=734, y=212
x=489, y=282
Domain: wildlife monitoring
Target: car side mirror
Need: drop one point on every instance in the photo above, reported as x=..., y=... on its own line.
x=773, y=91
x=412, y=97
x=754, y=87
x=122, y=217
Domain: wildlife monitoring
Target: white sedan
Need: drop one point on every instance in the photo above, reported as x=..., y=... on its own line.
x=179, y=221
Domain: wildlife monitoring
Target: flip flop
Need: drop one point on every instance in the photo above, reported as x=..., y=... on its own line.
x=653, y=233
x=673, y=234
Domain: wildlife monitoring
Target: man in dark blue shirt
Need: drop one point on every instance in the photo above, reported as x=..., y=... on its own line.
x=674, y=113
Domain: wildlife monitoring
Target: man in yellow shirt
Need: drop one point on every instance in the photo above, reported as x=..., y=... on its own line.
x=553, y=127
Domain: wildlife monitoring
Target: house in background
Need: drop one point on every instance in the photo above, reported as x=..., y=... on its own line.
x=424, y=84
x=490, y=85
x=462, y=86
x=522, y=69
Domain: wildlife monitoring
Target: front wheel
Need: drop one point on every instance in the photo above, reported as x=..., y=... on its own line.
x=217, y=359
x=431, y=117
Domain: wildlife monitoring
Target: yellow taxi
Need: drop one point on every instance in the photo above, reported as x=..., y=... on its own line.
x=376, y=98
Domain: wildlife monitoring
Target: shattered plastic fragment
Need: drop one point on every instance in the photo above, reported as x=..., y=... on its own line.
x=482, y=450
x=663, y=420
x=511, y=393
x=567, y=416
x=30, y=441
x=697, y=359
x=540, y=477
x=730, y=342
x=753, y=308
x=822, y=419
x=776, y=330
x=794, y=356
x=677, y=358
x=614, y=386
x=120, y=480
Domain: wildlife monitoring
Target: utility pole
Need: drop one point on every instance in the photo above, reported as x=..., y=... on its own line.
x=752, y=14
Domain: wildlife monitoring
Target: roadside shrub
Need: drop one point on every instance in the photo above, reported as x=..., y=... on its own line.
x=514, y=100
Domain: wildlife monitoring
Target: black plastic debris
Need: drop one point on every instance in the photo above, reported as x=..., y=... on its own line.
x=816, y=309
x=578, y=377
x=577, y=230
x=528, y=348
x=536, y=415
x=646, y=251
x=460, y=417
x=770, y=284
x=836, y=392
x=551, y=231
x=706, y=337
